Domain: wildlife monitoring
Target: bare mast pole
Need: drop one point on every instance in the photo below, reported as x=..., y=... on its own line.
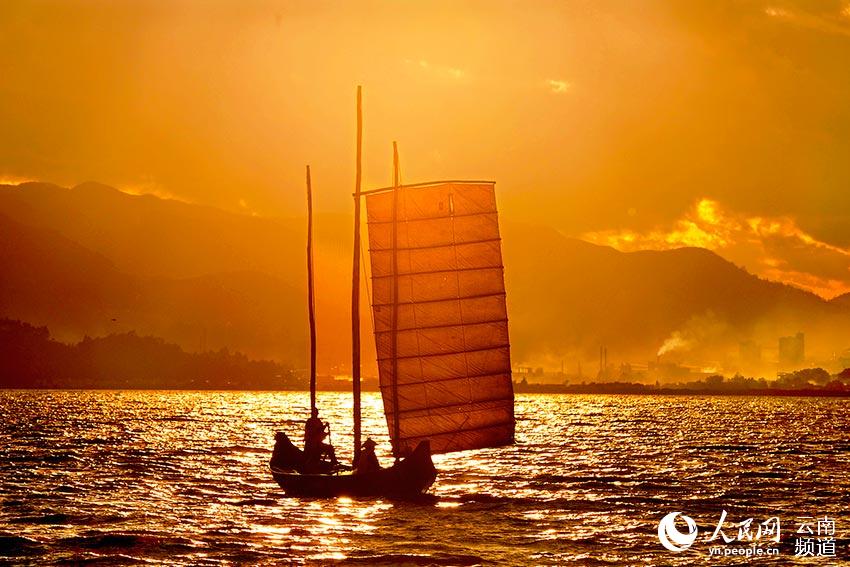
x=394, y=333
x=355, y=285
x=311, y=300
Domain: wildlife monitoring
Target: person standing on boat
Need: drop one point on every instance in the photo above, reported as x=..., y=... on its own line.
x=368, y=460
x=315, y=448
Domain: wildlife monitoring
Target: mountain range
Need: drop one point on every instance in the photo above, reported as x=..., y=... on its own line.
x=92, y=260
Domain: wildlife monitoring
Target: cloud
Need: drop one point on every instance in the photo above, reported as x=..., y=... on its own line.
x=774, y=247
x=14, y=179
x=436, y=70
x=827, y=22
x=558, y=86
x=148, y=187
x=775, y=12
x=246, y=208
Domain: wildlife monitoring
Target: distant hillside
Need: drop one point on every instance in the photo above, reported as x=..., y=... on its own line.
x=570, y=293
x=190, y=256
x=198, y=276
x=842, y=301
x=145, y=235
x=53, y=281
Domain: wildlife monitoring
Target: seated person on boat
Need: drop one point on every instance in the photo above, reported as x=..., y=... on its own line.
x=315, y=448
x=367, y=461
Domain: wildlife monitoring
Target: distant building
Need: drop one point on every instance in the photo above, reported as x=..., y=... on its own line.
x=626, y=372
x=538, y=375
x=603, y=375
x=792, y=350
x=669, y=372
x=526, y=371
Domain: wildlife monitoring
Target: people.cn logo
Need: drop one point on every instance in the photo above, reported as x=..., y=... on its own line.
x=673, y=539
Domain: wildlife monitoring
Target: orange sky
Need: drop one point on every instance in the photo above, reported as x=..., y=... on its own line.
x=611, y=121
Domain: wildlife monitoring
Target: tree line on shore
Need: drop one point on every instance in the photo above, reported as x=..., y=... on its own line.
x=30, y=358
x=806, y=381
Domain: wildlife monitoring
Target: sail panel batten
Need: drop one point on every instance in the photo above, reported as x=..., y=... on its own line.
x=441, y=323
x=445, y=379
x=429, y=247
x=416, y=406
x=443, y=326
x=420, y=302
x=401, y=274
x=450, y=353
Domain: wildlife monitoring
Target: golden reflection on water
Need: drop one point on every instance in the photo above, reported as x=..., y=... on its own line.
x=182, y=477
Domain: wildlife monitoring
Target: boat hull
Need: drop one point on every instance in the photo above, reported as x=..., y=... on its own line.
x=406, y=478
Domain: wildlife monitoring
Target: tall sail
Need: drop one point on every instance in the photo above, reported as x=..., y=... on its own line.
x=450, y=348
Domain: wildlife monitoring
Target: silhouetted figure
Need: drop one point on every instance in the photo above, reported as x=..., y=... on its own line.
x=285, y=455
x=315, y=448
x=368, y=461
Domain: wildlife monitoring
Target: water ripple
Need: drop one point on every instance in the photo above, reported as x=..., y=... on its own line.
x=180, y=478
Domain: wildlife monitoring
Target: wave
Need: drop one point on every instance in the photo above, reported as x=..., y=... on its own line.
x=411, y=559
x=14, y=545
x=124, y=541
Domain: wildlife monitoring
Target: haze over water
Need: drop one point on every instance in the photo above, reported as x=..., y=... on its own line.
x=182, y=478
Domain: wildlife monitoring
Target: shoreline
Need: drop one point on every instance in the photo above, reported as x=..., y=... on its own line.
x=546, y=389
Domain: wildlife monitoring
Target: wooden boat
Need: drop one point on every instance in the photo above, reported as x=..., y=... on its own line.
x=406, y=478
x=441, y=333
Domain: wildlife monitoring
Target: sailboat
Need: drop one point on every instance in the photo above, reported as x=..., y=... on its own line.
x=441, y=334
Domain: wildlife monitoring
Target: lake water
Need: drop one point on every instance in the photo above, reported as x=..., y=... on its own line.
x=119, y=477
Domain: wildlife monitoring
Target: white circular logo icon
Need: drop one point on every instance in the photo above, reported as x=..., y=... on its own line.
x=673, y=539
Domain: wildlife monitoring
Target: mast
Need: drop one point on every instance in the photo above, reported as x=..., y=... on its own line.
x=311, y=300
x=355, y=286
x=394, y=327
